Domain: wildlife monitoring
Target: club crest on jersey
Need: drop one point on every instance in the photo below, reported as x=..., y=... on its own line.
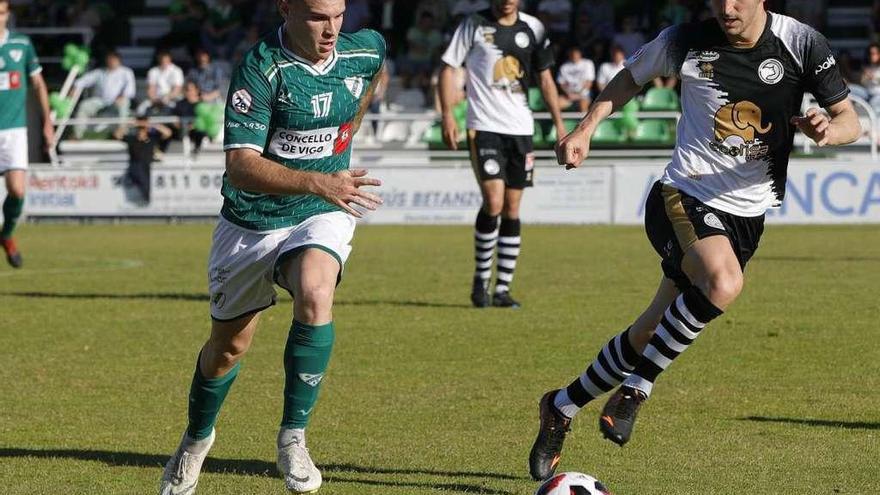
x=355, y=86
x=707, y=70
x=242, y=101
x=771, y=71
x=736, y=128
x=522, y=40
x=16, y=55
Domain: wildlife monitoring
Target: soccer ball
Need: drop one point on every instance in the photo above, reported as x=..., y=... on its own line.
x=572, y=484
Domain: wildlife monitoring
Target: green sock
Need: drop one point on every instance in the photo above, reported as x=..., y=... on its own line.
x=12, y=209
x=206, y=395
x=305, y=361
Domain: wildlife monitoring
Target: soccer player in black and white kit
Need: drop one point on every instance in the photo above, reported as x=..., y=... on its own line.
x=743, y=76
x=503, y=51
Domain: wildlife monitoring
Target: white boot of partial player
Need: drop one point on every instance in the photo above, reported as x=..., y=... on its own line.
x=295, y=464
x=182, y=471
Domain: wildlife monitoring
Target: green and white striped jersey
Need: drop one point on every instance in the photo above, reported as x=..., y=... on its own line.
x=297, y=114
x=18, y=62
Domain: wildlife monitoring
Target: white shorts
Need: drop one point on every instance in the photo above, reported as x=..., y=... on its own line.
x=243, y=267
x=13, y=150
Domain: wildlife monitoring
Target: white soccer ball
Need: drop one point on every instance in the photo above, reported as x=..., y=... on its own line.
x=572, y=484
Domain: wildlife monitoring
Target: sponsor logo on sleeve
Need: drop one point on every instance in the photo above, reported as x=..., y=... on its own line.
x=827, y=64
x=242, y=101
x=10, y=80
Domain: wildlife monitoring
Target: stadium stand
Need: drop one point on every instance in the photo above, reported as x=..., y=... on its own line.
x=405, y=118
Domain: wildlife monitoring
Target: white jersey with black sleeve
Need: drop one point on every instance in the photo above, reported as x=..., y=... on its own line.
x=501, y=63
x=735, y=135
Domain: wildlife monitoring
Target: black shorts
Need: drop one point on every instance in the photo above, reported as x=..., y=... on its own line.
x=674, y=221
x=501, y=156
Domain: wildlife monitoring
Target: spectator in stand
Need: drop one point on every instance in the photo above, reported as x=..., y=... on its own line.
x=113, y=89
x=251, y=38
x=674, y=13
x=556, y=15
x=208, y=76
x=438, y=11
x=164, y=86
x=464, y=8
x=186, y=112
x=143, y=141
x=602, y=14
x=871, y=74
x=586, y=36
x=424, y=41
x=629, y=39
x=609, y=69
x=187, y=18
x=81, y=14
x=223, y=31
x=357, y=16
x=576, y=78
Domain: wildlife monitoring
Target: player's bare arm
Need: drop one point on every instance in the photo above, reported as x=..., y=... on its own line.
x=366, y=101
x=40, y=89
x=249, y=171
x=572, y=150
x=840, y=126
x=447, y=95
x=551, y=96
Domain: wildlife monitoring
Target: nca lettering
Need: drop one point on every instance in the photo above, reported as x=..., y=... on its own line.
x=827, y=64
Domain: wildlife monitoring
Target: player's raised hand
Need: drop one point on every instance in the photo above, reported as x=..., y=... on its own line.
x=343, y=189
x=573, y=149
x=450, y=132
x=814, y=124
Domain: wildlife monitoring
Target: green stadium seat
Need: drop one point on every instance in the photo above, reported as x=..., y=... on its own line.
x=536, y=100
x=539, y=140
x=434, y=137
x=608, y=132
x=654, y=131
x=660, y=100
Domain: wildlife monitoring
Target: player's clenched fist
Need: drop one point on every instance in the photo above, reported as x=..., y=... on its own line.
x=573, y=149
x=814, y=124
x=343, y=189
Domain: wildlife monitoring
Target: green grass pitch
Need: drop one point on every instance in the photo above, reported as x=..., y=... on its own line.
x=99, y=333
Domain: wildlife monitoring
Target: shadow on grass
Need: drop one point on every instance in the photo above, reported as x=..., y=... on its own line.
x=846, y=425
x=198, y=297
x=335, y=473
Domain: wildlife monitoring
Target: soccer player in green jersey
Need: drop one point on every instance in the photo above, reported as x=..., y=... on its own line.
x=18, y=63
x=288, y=216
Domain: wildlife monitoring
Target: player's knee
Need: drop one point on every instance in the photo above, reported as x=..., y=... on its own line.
x=510, y=211
x=493, y=206
x=315, y=302
x=16, y=191
x=722, y=287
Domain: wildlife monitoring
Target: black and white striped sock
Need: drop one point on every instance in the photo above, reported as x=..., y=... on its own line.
x=681, y=325
x=612, y=366
x=509, y=243
x=485, y=240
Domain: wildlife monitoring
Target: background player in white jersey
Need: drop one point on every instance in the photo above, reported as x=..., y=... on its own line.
x=743, y=76
x=294, y=103
x=504, y=52
x=18, y=64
